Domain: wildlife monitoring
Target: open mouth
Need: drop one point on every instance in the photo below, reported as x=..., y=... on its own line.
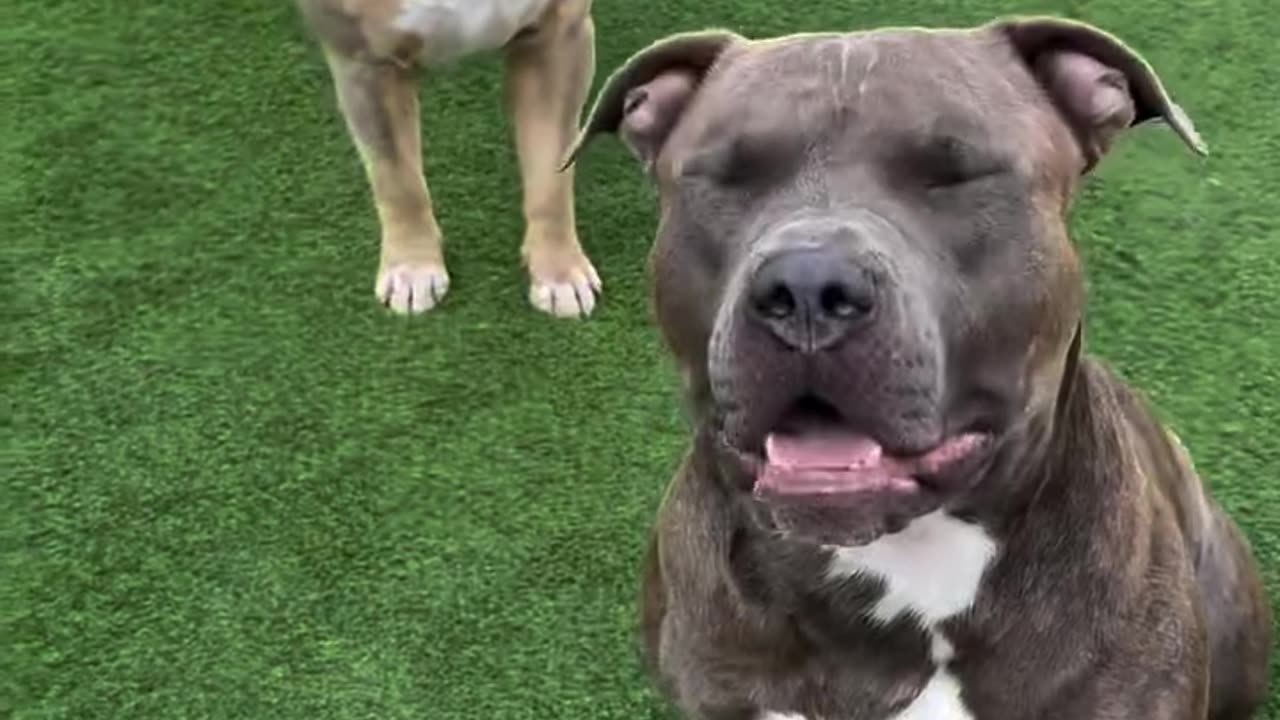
x=815, y=456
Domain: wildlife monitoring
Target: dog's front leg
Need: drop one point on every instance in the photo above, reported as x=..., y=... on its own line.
x=379, y=101
x=548, y=76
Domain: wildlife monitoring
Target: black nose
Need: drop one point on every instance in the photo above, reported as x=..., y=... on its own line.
x=812, y=299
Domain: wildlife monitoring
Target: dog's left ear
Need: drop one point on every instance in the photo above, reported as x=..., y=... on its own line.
x=1100, y=85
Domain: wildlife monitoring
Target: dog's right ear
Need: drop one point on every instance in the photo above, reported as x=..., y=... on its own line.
x=642, y=100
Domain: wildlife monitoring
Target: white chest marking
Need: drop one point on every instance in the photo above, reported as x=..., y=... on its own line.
x=932, y=568
x=451, y=29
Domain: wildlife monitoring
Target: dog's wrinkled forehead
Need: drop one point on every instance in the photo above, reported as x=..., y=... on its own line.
x=869, y=91
x=1019, y=83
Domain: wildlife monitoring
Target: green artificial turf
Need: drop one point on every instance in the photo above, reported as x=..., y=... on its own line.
x=234, y=487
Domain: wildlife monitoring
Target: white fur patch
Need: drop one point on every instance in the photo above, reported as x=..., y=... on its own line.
x=941, y=650
x=940, y=700
x=451, y=29
x=932, y=567
x=781, y=716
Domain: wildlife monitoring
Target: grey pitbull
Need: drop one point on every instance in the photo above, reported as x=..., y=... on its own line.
x=910, y=494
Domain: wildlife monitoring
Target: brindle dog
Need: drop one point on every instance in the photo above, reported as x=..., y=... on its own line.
x=910, y=494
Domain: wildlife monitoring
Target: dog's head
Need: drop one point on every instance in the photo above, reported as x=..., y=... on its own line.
x=862, y=263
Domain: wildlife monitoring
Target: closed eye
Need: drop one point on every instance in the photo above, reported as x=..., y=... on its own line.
x=949, y=161
x=742, y=161
x=950, y=177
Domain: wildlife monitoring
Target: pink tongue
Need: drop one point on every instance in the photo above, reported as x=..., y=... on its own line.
x=828, y=461
x=828, y=449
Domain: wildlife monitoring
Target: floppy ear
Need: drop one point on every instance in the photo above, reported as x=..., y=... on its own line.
x=642, y=100
x=1098, y=83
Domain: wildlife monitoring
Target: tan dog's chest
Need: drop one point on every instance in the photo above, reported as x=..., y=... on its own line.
x=447, y=30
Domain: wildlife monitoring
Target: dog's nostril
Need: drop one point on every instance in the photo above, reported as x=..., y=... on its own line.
x=836, y=300
x=777, y=303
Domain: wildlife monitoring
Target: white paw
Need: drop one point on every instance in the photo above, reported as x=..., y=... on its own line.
x=412, y=288
x=575, y=296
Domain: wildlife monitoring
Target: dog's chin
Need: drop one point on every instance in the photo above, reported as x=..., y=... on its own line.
x=846, y=521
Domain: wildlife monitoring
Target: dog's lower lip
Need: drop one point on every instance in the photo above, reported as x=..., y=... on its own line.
x=968, y=448
x=811, y=469
x=936, y=474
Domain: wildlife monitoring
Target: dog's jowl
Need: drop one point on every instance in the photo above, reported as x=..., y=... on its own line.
x=374, y=49
x=910, y=493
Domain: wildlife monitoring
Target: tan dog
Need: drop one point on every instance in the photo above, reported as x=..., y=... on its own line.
x=375, y=47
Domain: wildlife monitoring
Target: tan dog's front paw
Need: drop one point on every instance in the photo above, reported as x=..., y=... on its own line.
x=411, y=288
x=563, y=283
